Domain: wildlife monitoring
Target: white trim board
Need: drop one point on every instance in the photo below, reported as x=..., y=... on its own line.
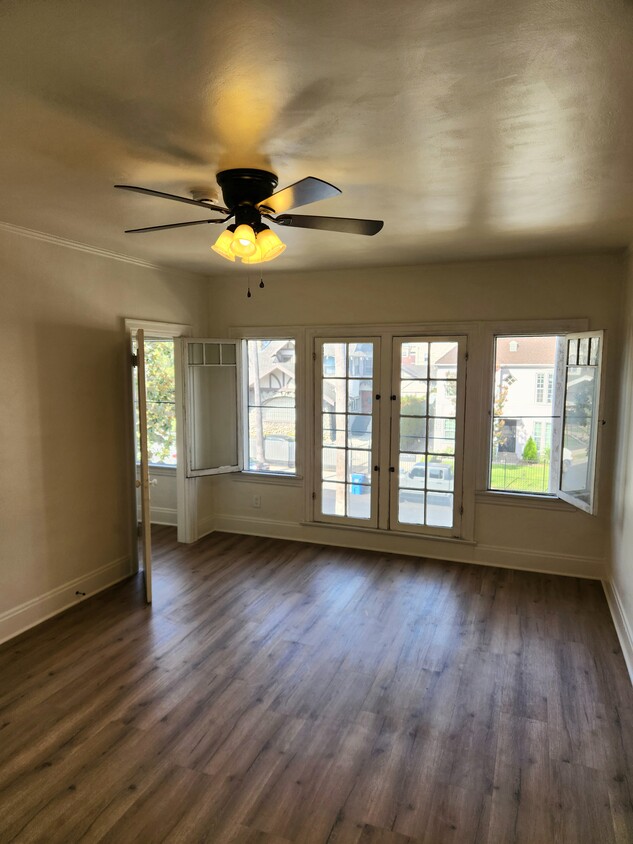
x=161, y=515
x=565, y=565
x=620, y=621
x=57, y=240
x=19, y=619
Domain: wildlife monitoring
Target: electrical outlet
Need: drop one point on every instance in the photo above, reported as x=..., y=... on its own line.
x=257, y=501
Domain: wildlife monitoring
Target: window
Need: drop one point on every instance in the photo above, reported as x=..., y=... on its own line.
x=544, y=416
x=239, y=398
x=583, y=360
x=161, y=402
x=271, y=406
x=413, y=410
x=544, y=387
x=521, y=453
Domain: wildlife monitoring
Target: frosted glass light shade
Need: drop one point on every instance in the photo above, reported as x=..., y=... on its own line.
x=256, y=257
x=243, y=242
x=223, y=245
x=270, y=245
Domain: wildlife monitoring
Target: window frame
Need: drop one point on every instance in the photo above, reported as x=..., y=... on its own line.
x=559, y=327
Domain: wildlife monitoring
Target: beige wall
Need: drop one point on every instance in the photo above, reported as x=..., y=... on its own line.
x=620, y=589
x=554, y=538
x=65, y=503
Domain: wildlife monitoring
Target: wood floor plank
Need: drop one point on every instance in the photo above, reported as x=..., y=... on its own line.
x=288, y=693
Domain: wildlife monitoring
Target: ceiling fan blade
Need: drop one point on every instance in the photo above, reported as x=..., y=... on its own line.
x=174, y=226
x=300, y=193
x=348, y=225
x=197, y=202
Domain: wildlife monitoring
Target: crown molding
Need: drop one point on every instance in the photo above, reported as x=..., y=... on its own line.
x=80, y=247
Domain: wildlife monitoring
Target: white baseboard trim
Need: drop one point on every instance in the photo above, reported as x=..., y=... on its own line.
x=207, y=526
x=487, y=555
x=27, y=615
x=541, y=562
x=622, y=626
x=161, y=515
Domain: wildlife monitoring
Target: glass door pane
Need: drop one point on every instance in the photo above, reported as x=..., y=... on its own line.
x=426, y=427
x=347, y=431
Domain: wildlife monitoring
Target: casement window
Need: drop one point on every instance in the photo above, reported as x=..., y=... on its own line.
x=239, y=403
x=544, y=439
x=388, y=449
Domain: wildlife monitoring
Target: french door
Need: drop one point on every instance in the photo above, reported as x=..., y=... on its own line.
x=405, y=422
x=347, y=447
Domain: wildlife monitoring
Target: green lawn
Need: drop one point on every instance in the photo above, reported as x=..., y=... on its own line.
x=520, y=477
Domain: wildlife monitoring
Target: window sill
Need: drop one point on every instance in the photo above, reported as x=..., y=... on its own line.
x=399, y=533
x=523, y=499
x=268, y=478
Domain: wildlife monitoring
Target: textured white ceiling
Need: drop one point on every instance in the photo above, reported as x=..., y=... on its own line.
x=471, y=127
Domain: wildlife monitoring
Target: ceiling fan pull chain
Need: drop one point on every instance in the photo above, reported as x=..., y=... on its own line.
x=261, y=279
x=248, y=288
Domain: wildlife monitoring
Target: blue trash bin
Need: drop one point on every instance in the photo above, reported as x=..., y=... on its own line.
x=360, y=483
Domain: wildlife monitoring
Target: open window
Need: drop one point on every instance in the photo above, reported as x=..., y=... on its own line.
x=581, y=422
x=545, y=416
x=212, y=406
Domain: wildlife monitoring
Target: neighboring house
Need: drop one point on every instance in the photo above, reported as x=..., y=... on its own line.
x=525, y=375
x=276, y=377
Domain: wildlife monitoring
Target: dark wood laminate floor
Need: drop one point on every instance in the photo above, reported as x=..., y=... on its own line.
x=280, y=692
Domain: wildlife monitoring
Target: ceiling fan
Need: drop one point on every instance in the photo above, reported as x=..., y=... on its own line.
x=248, y=197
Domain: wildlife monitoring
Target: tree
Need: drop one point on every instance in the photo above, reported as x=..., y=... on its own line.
x=412, y=409
x=499, y=434
x=530, y=452
x=161, y=406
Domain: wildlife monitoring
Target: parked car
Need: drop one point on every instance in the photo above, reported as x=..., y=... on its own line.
x=567, y=459
x=438, y=479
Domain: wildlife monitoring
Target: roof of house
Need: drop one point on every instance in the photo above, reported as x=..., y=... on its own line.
x=530, y=351
x=269, y=362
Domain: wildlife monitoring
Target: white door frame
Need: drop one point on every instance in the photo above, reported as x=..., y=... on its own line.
x=186, y=489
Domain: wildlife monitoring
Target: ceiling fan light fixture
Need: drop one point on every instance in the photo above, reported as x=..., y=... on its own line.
x=223, y=244
x=271, y=246
x=243, y=242
x=255, y=258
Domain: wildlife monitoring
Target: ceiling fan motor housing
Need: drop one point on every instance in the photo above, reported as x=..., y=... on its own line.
x=246, y=187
